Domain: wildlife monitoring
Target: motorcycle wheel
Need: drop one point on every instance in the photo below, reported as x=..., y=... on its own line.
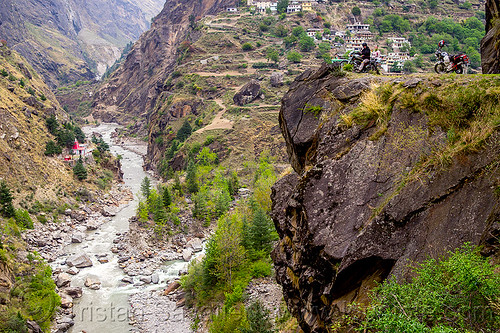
x=459, y=70
x=440, y=68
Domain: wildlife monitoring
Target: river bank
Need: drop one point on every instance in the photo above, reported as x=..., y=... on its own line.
x=106, y=266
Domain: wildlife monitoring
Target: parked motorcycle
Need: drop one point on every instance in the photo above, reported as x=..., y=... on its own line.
x=355, y=60
x=459, y=62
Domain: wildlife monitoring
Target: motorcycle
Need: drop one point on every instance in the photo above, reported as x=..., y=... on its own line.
x=459, y=62
x=355, y=60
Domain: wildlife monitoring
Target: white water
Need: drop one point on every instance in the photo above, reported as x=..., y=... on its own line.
x=107, y=309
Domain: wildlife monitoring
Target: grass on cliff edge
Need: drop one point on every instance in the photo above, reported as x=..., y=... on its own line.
x=459, y=293
x=466, y=109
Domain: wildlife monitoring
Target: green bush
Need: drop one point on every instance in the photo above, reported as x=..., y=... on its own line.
x=261, y=269
x=247, y=46
x=456, y=294
x=23, y=219
x=258, y=319
x=52, y=148
x=294, y=56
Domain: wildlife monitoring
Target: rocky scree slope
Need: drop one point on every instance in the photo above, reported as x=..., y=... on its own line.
x=386, y=170
x=25, y=102
x=66, y=41
x=134, y=87
x=490, y=45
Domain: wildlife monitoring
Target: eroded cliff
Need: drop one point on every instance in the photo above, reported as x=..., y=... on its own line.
x=386, y=170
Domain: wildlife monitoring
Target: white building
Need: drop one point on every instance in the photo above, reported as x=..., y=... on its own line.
x=355, y=43
x=313, y=31
x=397, y=58
x=232, y=9
x=358, y=27
x=293, y=8
x=398, y=42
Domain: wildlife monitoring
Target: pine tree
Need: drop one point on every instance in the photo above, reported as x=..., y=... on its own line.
x=184, y=132
x=146, y=187
x=6, y=207
x=167, y=198
x=52, y=124
x=261, y=231
x=191, y=178
x=79, y=170
x=51, y=148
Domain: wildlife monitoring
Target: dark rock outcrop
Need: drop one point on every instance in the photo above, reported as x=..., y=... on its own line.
x=490, y=45
x=248, y=93
x=360, y=204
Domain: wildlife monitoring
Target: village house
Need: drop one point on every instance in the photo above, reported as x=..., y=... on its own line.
x=293, y=8
x=356, y=27
x=395, y=59
x=232, y=9
x=311, y=32
x=398, y=42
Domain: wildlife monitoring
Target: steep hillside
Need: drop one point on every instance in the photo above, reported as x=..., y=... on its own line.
x=386, y=170
x=134, y=87
x=73, y=40
x=490, y=48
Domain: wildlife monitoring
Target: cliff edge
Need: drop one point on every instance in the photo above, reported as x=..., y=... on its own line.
x=386, y=170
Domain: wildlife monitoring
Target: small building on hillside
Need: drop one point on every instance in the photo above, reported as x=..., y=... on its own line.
x=232, y=9
x=311, y=32
x=293, y=7
x=398, y=42
x=358, y=27
x=307, y=7
x=79, y=150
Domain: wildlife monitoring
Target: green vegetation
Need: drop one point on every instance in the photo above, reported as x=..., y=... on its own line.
x=65, y=134
x=237, y=251
x=294, y=56
x=79, y=170
x=455, y=294
x=6, y=206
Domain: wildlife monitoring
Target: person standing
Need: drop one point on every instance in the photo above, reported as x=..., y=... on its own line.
x=365, y=55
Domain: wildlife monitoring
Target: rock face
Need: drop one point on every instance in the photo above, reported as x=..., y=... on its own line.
x=248, y=93
x=490, y=48
x=361, y=203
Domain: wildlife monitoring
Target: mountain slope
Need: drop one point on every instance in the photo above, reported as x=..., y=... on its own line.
x=134, y=87
x=73, y=40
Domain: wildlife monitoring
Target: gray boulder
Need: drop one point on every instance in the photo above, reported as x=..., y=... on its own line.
x=79, y=261
x=248, y=93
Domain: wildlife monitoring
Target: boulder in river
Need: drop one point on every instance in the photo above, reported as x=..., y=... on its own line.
x=72, y=270
x=63, y=280
x=77, y=237
x=187, y=254
x=128, y=279
x=92, y=284
x=155, y=278
x=75, y=292
x=79, y=261
x=171, y=287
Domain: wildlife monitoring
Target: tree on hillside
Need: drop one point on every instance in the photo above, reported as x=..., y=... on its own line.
x=184, y=132
x=52, y=124
x=146, y=187
x=6, y=207
x=356, y=11
x=79, y=170
x=294, y=56
x=261, y=231
x=306, y=43
x=272, y=54
x=167, y=198
x=191, y=178
x=52, y=148
x=282, y=4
